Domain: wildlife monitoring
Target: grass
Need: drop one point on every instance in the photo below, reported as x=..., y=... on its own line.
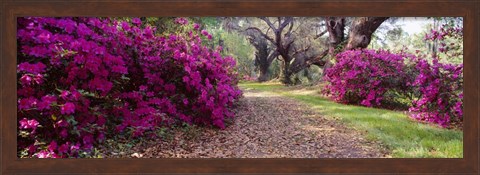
x=404, y=137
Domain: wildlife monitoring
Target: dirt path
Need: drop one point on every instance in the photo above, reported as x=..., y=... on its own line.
x=267, y=126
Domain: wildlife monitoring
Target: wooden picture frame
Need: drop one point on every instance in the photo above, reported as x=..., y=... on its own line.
x=10, y=10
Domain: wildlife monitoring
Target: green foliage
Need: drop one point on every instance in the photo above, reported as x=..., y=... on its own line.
x=233, y=44
x=309, y=76
x=237, y=46
x=275, y=69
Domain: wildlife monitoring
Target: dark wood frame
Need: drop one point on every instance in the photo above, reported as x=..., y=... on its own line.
x=10, y=10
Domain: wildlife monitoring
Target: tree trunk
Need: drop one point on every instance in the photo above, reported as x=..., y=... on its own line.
x=263, y=54
x=360, y=35
x=336, y=32
x=261, y=60
x=263, y=74
x=336, y=35
x=285, y=75
x=361, y=31
x=435, y=41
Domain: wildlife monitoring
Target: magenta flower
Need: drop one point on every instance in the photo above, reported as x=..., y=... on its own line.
x=68, y=108
x=136, y=21
x=196, y=26
x=38, y=79
x=125, y=26
x=120, y=69
x=170, y=87
x=26, y=80
x=44, y=37
x=181, y=21
x=62, y=123
x=32, y=68
x=64, y=94
x=75, y=148
x=43, y=154
x=150, y=94
x=32, y=149
x=46, y=102
x=76, y=95
x=101, y=137
x=52, y=146
x=101, y=120
x=63, y=148
x=88, y=140
x=28, y=124
x=204, y=32
x=173, y=38
x=143, y=88
x=64, y=133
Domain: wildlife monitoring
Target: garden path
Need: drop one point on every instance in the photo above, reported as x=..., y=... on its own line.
x=266, y=126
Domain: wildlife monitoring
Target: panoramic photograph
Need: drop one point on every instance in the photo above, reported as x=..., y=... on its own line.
x=239, y=87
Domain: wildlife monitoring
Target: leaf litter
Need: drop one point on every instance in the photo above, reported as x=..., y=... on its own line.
x=265, y=126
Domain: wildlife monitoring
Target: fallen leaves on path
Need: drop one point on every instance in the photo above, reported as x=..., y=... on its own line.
x=266, y=126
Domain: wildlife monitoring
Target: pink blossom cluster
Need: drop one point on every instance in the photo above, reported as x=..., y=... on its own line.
x=443, y=32
x=440, y=88
x=83, y=79
x=441, y=35
x=364, y=76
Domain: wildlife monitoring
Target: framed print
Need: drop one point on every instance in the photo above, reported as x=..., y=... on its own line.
x=96, y=87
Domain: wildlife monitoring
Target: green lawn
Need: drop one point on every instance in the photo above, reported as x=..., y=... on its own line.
x=404, y=137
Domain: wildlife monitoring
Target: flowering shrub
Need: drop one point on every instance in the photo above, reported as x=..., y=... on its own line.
x=441, y=84
x=80, y=79
x=364, y=76
x=441, y=92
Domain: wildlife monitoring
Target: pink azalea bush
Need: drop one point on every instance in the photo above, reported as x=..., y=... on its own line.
x=440, y=84
x=81, y=79
x=440, y=88
x=364, y=76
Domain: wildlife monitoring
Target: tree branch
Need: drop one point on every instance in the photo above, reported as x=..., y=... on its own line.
x=289, y=44
x=361, y=31
x=317, y=60
x=320, y=34
x=261, y=33
x=287, y=21
x=269, y=23
x=302, y=50
x=272, y=56
x=289, y=32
